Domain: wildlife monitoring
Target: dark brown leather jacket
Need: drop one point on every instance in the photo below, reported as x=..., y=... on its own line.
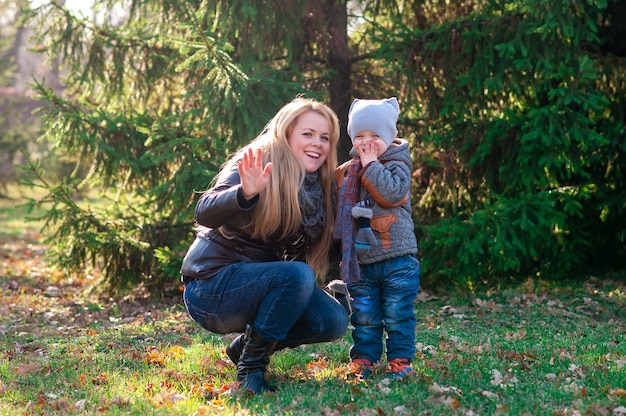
x=225, y=206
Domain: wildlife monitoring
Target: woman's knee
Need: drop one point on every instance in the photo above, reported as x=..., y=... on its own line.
x=300, y=273
x=336, y=321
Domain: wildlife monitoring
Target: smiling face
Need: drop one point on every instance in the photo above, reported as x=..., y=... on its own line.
x=366, y=137
x=310, y=140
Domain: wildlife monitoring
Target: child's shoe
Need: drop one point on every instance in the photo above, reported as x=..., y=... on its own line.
x=359, y=368
x=399, y=368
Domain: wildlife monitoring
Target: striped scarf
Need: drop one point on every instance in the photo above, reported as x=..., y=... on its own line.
x=345, y=226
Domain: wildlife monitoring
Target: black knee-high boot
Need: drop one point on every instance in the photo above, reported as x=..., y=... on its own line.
x=253, y=362
x=235, y=348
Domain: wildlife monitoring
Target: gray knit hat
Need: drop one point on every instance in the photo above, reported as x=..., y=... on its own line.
x=378, y=116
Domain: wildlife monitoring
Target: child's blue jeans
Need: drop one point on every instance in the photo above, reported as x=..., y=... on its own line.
x=383, y=302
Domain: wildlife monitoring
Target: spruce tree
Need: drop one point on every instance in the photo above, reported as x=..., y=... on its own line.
x=514, y=111
x=157, y=95
x=516, y=115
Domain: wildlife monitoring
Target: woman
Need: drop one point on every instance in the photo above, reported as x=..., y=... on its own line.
x=271, y=203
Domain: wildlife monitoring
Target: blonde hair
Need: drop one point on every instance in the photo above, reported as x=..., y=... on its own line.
x=278, y=209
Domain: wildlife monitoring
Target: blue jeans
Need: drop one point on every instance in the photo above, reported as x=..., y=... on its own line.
x=383, y=301
x=280, y=299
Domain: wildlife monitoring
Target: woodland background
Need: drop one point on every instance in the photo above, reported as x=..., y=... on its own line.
x=515, y=111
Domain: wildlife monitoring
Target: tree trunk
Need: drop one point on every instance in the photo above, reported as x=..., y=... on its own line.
x=339, y=62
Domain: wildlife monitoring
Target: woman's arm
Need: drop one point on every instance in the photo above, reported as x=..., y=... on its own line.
x=223, y=202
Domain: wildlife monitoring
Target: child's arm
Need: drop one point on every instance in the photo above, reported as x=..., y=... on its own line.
x=389, y=183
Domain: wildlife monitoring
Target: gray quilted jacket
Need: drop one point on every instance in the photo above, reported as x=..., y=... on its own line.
x=387, y=183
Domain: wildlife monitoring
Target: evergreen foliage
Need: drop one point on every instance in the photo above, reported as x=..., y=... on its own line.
x=155, y=102
x=517, y=118
x=514, y=109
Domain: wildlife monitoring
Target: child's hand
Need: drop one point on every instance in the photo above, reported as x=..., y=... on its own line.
x=365, y=238
x=368, y=152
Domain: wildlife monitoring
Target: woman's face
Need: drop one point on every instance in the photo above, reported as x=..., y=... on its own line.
x=310, y=140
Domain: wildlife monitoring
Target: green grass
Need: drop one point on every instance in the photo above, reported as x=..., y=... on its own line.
x=535, y=349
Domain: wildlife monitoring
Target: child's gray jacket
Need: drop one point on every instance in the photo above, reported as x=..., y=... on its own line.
x=387, y=184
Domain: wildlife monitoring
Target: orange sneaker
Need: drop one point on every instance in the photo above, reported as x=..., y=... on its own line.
x=400, y=368
x=359, y=368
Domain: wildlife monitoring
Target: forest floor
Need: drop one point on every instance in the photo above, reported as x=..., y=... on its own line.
x=536, y=348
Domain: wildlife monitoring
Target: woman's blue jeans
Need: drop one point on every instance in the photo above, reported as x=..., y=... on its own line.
x=280, y=299
x=383, y=302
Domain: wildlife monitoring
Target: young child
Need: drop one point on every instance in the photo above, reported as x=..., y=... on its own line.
x=379, y=248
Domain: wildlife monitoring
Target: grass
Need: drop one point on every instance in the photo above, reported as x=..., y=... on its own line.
x=535, y=348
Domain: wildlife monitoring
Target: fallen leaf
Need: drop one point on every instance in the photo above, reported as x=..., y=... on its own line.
x=100, y=380
x=489, y=395
x=175, y=397
x=521, y=334
x=497, y=379
x=317, y=365
x=489, y=305
x=424, y=296
x=119, y=401
x=618, y=392
x=400, y=410
x=79, y=405
x=62, y=404
x=176, y=352
x=154, y=357
x=26, y=369
x=368, y=412
x=204, y=410
x=438, y=390
x=217, y=403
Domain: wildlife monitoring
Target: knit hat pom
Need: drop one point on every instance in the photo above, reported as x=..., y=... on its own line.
x=377, y=116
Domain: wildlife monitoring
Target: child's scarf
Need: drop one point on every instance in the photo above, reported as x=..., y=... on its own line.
x=345, y=226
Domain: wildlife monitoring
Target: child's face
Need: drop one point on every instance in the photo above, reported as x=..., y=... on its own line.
x=368, y=142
